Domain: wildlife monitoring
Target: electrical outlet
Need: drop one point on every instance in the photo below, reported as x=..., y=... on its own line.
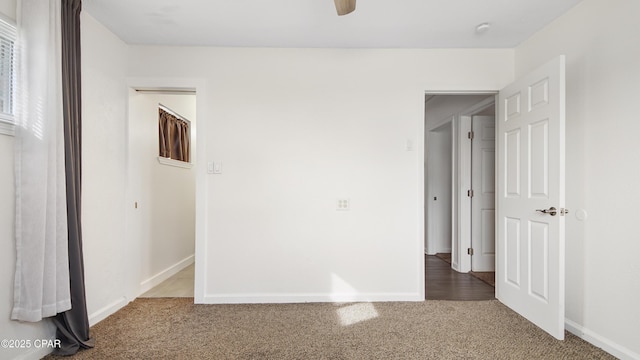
x=343, y=204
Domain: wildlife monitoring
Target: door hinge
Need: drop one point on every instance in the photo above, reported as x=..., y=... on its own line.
x=470, y=193
x=470, y=251
x=470, y=135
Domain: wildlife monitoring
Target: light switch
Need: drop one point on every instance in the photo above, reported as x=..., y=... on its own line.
x=217, y=167
x=210, y=167
x=408, y=146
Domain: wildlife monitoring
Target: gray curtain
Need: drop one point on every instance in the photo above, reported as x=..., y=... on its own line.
x=73, y=325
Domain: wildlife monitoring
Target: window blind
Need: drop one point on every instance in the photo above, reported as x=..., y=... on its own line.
x=7, y=75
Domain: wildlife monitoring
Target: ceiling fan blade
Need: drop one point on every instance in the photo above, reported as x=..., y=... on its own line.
x=344, y=7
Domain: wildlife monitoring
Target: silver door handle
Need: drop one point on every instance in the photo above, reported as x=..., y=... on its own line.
x=551, y=211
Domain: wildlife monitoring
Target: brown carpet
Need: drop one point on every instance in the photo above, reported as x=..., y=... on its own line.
x=174, y=328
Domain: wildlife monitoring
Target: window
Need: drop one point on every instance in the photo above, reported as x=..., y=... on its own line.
x=174, y=133
x=7, y=76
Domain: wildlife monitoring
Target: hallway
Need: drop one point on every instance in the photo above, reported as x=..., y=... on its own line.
x=444, y=283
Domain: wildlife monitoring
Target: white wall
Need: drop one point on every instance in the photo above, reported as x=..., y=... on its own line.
x=111, y=264
x=8, y=9
x=600, y=40
x=165, y=217
x=296, y=129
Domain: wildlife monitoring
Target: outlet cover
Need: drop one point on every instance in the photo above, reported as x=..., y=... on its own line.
x=343, y=204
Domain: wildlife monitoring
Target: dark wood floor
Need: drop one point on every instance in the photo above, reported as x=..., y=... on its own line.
x=444, y=283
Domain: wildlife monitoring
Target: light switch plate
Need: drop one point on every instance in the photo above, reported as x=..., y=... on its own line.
x=217, y=167
x=408, y=145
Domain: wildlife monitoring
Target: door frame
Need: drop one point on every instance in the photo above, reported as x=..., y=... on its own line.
x=461, y=177
x=199, y=85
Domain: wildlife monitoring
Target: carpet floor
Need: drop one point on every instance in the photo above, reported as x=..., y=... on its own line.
x=175, y=328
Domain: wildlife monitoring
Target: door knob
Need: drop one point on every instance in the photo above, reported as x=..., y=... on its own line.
x=551, y=211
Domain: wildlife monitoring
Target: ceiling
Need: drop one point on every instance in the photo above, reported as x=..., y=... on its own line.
x=314, y=23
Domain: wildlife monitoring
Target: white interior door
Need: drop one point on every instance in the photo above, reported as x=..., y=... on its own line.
x=483, y=240
x=530, y=273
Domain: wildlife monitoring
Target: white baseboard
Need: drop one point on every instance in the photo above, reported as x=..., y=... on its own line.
x=605, y=344
x=146, y=285
x=307, y=298
x=165, y=274
x=102, y=314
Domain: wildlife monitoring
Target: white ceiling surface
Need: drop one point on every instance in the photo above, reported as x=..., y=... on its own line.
x=315, y=24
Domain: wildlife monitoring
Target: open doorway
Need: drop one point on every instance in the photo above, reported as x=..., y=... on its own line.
x=162, y=192
x=460, y=196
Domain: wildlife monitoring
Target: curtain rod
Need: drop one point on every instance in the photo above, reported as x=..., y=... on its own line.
x=174, y=113
x=167, y=91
